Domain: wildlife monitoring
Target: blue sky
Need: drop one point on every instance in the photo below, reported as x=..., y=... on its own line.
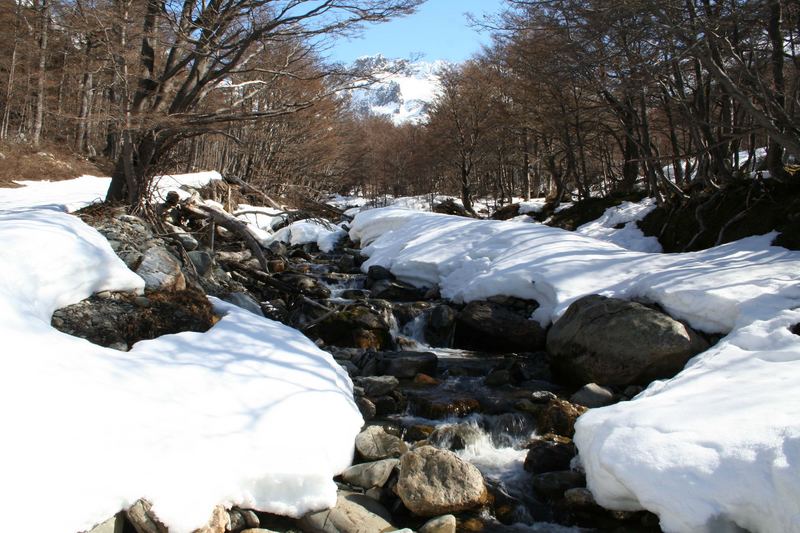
x=438, y=30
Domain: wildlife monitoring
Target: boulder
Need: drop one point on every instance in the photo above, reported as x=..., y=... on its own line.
x=406, y=365
x=368, y=475
x=451, y=207
x=160, y=270
x=396, y=290
x=367, y=408
x=377, y=272
x=440, y=524
x=493, y=327
x=374, y=444
x=549, y=454
x=353, y=513
x=441, y=325
x=359, y=326
x=553, y=485
x=434, y=482
x=455, y=437
x=616, y=342
x=558, y=417
x=202, y=261
x=507, y=212
x=375, y=386
x=592, y=396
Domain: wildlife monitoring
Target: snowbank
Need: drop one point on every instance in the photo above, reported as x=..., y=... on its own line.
x=629, y=236
x=325, y=236
x=250, y=413
x=714, y=290
x=717, y=445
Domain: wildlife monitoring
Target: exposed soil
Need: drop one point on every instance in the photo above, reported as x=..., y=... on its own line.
x=51, y=162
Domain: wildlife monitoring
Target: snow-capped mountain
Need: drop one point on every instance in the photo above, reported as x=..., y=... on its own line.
x=404, y=92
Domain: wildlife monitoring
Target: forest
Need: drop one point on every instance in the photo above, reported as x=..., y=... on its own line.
x=573, y=98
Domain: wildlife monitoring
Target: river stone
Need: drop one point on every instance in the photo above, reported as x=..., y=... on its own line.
x=374, y=444
x=377, y=272
x=161, y=271
x=455, y=437
x=202, y=262
x=396, y=291
x=549, y=455
x=553, y=485
x=559, y=417
x=592, y=396
x=353, y=513
x=368, y=475
x=245, y=301
x=616, y=342
x=441, y=524
x=434, y=482
x=441, y=326
x=375, y=386
x=496, y=328
x=367, y=408
x=141, y=516
x=406, y=365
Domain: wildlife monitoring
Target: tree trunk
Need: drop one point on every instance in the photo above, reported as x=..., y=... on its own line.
x=775, y=149
x=39, y=113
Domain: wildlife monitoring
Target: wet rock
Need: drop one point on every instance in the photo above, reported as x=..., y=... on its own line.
x=355, y=294
x=549, y=454
x=592, y=396
x=353, y=513
x=434, y=482
x=553, y=485
x=580, y=497
x=367, y=408
x=377, y=272
x=436, y=409
x=406, y=365
x=455, y=437
x=359, y=326
x=419, y=432
x=396, y=291
x=496, y=328
x=441, y=524
x=374, y=444
x=532, y=366
x=276, y=265
x=497, y=378
x=368, y=475
x=616, y=342
x=405, y=312
x=386, y=405
x=245, y=301
x=558, y=417
x=375, y=386
x=161, y=271
x=441, y=326
x=305, y=284
x=202, y=262
x=425, y=380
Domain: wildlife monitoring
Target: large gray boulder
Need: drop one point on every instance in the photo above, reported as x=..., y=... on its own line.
x=374, y=444
x=161, y=270
x=433, y=482
x=615, y=342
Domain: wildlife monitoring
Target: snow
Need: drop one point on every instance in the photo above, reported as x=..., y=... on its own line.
x=250, y=413
x=716, y=446
x=629, y=236
x=534, y=205
x=325, y=235
x=264, y=218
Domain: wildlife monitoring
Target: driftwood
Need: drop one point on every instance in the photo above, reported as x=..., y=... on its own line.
x=230, y=223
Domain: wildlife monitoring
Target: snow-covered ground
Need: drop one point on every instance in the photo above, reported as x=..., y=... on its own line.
x=187, y=421
x=629, y=236
x=716, y=446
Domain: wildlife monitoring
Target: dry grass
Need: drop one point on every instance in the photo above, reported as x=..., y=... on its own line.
x=50, y=162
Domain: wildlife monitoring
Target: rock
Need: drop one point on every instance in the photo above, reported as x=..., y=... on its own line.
x=579, y=497
x=161, y=271
x=353, y=513
x=406, y=365
x=367, y=408
x=276, y=265
x=377, y=272
x=497, y=378
x=386, y=405
x=143, y=519
x=374, y=444
x=278, y=248
x=220, y=522
x=396, y=291
x=359, y=326
x=434, y=482
x=368, y=475
x=188, y=242
x=242, y=519
x=425, y=380
x=455, y=437
x=616, y=342
x=507, y=212
x=553, y=485
x=419, y=432
x=559, y=417
x=450, y=207
x=441, y=524
x=115, y=524
x=436, y=409
x=375, y=386
x=549, y=455
x=245, y=301
x=305, y=284
x=592, y=396
x=496, y=328
x=441, y=326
